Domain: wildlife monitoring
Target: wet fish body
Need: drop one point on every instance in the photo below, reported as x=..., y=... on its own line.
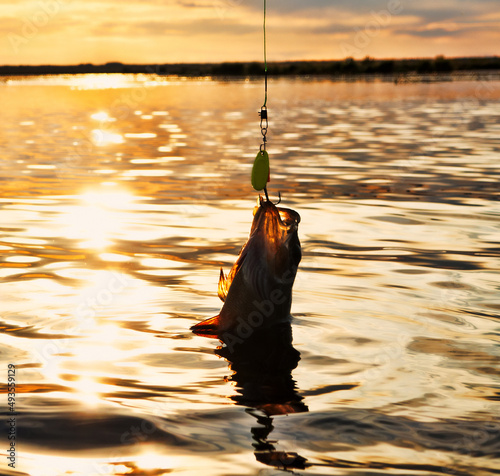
x=257, y=292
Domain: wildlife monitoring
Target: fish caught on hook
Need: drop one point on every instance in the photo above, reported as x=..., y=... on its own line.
x=257, y=291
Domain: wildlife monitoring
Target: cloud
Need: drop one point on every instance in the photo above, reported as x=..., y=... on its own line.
x=155, y=28
x=229, y=30
x=429, y=33
x=445, y=33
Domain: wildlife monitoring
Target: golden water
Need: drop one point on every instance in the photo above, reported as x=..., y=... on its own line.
x=121, y=197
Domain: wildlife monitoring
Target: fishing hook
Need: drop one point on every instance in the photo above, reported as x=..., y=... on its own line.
x=279, y=198
x=267, y=197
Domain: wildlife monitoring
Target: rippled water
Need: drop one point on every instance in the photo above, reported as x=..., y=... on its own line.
x=122, y=196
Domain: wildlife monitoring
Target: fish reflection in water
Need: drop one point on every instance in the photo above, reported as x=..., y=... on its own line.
x=254, y=326
x=262, y=367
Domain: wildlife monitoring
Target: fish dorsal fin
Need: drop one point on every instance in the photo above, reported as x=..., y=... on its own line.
x=223, y=286
x=207, y=328
x=226, y=280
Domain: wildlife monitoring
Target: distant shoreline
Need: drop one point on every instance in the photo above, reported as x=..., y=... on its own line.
x=336, y=68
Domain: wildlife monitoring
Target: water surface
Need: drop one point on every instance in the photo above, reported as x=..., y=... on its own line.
x=122, y=196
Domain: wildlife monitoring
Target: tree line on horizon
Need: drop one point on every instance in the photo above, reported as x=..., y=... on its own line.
x=345, y=67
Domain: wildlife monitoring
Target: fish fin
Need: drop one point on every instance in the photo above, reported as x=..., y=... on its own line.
x=223, y=286
x=226, y=280
x=207, y=328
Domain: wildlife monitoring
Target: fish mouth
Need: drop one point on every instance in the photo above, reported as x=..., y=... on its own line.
x=278, y=223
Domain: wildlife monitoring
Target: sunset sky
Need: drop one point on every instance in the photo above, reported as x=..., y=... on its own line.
x=166, y=31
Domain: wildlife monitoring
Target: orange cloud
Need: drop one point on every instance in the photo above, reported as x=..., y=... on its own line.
x=154, y=31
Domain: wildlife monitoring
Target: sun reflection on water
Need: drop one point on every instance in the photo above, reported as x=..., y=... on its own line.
x=105, y=81
x=87, y=390
x=102, y=137
x=152, y=461
x=98, y=216
x=102, y=116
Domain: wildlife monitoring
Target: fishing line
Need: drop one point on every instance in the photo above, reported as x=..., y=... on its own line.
x=260, y=171
x=265, y=57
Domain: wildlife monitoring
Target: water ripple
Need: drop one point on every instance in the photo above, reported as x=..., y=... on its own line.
x=116, y=221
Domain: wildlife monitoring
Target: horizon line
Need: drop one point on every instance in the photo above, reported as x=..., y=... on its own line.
x=210, y=63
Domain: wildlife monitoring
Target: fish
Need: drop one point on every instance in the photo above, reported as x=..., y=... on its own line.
x=257, y=291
